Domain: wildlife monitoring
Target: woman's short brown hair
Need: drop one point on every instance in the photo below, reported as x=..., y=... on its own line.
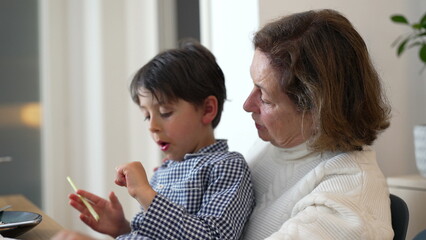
x=326, y=70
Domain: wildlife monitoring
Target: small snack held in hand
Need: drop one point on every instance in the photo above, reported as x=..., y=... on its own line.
x=84, y=200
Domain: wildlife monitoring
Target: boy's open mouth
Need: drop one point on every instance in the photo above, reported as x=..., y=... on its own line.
x=163, y=145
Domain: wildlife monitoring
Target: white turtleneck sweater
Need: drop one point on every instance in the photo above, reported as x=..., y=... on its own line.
x=305, y=195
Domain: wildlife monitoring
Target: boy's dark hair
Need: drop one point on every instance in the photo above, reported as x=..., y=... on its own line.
x=189, y=72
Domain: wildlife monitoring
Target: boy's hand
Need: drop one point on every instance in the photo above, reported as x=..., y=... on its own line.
x=133, y=176
x=111, y=215
x=70, y=235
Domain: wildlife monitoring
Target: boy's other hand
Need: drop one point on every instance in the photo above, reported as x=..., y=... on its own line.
x=133, y=176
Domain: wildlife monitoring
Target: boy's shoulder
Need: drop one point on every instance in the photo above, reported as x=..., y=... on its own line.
x=222, y=158
x=214, y=155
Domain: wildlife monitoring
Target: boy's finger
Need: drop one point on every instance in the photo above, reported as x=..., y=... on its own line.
x=79, y=207
x=88, y=220
x=120, y=178
x=120, y=183
x=114, y=200
x=75, y=201
x=95, y=199
x=74, y=197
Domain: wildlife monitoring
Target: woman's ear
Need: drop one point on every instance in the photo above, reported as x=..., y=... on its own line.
x=209, y=109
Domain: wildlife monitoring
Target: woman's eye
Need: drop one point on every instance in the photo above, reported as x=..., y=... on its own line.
x=263, y=101
x=147, y=118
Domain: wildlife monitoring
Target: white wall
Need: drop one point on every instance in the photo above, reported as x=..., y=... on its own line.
x=231, y=25
x=404, y=86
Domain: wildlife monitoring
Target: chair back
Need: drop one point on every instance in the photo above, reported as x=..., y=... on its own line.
x=400, y=217
x=420, y=236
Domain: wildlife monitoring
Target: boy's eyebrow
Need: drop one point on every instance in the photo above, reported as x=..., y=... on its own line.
x=161, y=104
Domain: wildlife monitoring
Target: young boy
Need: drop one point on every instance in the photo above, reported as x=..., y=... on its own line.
x=202, y=191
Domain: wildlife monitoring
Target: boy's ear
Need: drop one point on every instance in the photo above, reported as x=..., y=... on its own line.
x=209, y=109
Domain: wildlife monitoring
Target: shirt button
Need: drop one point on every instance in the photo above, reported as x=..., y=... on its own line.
x=160, y=186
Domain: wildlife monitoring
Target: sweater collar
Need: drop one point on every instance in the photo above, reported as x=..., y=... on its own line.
x=298, y=152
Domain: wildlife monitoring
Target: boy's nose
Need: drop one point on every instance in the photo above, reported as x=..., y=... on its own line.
x=154, y=126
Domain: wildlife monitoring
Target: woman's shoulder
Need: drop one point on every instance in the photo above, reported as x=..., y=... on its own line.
x=354, y=159
x=357, y=168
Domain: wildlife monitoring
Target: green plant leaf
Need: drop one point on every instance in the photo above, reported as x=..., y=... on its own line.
x=423, y=20
x=417, y=26
x=401, y=47
x=397, y=40
x=399, y=19
x=422, y=53
x=414, y=44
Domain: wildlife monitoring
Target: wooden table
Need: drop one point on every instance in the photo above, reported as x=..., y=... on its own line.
x=44, y=230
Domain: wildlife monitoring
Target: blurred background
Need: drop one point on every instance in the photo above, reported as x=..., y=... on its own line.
x=65, y=67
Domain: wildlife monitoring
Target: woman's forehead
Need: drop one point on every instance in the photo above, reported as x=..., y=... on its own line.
x=263, y=74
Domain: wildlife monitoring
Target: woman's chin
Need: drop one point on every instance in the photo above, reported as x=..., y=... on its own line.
x=263, y=136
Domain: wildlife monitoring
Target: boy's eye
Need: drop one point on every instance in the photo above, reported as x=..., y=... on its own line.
x=147, y=118
x=166, y=114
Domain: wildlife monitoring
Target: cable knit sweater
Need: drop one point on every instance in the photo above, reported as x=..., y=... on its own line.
x=305, y=195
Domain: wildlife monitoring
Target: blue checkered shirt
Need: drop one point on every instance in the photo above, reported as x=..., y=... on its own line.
x=208, y=195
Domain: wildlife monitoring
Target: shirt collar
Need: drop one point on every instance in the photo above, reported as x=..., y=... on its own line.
x=221, y=145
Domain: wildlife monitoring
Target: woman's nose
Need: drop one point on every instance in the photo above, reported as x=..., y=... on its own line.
x=250, y=105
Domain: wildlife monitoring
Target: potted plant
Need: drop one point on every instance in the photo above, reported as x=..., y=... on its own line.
x=416, y=38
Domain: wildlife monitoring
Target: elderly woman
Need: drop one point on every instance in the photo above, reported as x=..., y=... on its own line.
x=318, y=101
